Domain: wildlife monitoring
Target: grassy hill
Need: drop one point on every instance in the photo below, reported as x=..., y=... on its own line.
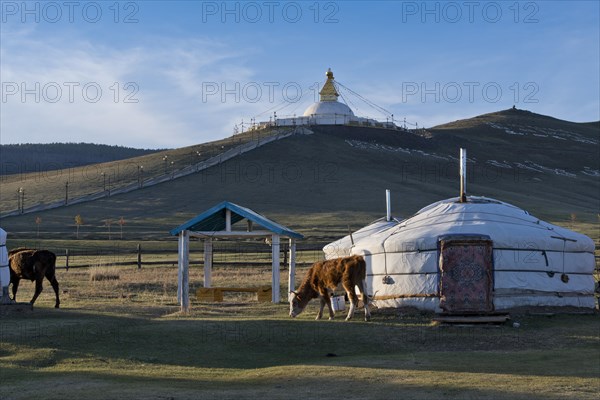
x=29, y=157
x=322, y=182
x=44, y=186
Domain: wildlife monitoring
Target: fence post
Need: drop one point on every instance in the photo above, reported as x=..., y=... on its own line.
x=139, y=254
x=67, y=259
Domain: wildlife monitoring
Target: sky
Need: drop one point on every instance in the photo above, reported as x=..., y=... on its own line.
x=158, y=74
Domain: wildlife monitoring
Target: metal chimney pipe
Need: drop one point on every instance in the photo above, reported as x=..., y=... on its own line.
x=388, y=203
x=463, y=175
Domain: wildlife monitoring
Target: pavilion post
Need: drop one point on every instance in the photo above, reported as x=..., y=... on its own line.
x=179, y=266
x=185, y=263
x=275, y=268
x=228, y=220
x=208, y=258
x=292, y=266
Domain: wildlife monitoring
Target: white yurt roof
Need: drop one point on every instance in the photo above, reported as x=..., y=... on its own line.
x=343, y=246
x=510, y=228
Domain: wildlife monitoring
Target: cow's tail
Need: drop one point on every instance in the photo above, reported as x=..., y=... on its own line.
x=51, y=270
x=365, y=290
x=363, y=277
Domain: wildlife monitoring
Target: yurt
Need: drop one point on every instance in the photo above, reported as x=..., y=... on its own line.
x=4, y=271
x=474, y=255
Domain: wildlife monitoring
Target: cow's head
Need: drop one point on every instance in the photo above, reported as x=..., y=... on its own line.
x=295, y=306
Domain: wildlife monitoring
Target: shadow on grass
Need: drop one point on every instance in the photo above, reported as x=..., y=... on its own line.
x=348, y=383
x=234, y=357
x=235, y=342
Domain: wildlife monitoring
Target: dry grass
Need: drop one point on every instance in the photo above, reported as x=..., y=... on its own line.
x=125, y=339
x=157, y=285
x=104, y=273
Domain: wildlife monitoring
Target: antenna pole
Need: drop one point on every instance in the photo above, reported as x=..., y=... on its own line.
x=463, y=175
x=388, y=203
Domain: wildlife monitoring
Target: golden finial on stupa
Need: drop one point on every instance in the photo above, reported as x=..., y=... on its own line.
x=329, y=73
x=328, y=92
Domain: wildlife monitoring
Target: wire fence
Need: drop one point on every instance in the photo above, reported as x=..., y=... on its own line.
x=224, y=254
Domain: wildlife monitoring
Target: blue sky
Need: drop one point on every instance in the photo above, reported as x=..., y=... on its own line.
x=157, y=74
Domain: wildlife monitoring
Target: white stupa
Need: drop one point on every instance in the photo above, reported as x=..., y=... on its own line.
x=327, y=111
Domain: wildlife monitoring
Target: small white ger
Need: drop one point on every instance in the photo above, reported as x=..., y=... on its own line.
x=4, y=269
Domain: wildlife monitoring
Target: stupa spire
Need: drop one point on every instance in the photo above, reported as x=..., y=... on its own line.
x=328, y=92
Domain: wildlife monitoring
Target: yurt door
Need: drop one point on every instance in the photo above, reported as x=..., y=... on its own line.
x=466, y=270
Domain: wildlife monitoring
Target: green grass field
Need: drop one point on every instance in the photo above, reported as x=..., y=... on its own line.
x=125, y=339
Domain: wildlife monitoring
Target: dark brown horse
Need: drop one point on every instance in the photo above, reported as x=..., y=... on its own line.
x=33, y=265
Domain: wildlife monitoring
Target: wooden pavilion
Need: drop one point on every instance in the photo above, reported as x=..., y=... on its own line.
x=217, y=222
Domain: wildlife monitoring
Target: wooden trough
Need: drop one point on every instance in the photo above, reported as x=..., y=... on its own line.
x=215, y=294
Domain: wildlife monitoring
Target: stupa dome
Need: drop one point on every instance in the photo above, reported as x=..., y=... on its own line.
x=328, y=108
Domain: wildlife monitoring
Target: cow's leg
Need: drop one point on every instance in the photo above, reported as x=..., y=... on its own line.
x=325, y=299
x=15, y=287
x=328, y=302
x=54, y=284
x=352, y=296
x=362, y=287
x=320, y=313
x=38, y=288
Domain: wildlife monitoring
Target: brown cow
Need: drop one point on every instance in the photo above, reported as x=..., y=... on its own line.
x=324, y=277
x=33, y=265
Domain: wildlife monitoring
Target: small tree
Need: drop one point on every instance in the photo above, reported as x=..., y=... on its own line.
x=121, y=223
x=78, y=223
x=38, y=222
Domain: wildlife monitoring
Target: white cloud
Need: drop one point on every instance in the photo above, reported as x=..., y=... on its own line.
x=44, y=98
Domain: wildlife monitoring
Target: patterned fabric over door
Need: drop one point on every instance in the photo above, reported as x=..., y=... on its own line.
x=466, y=267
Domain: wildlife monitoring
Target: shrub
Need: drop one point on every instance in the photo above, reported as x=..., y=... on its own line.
x=103, y=273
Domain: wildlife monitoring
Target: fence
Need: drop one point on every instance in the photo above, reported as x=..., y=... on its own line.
x=224, y=254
